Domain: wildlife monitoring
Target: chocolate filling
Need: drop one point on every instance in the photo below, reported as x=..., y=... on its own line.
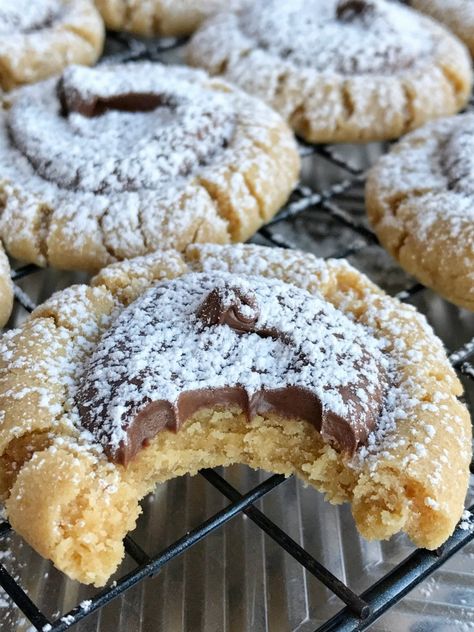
x=161, y=130
x=230, y=307
x=349, y=10
x=292, y=402
x=348, y=37
x=94, y=105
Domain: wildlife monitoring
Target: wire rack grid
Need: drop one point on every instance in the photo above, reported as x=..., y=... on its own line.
x=341, y=204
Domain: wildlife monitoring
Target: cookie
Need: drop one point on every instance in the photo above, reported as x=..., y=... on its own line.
x=457, y=15
x=339, y=71
x=160, y=17
x=113, y=162
x=420, y=198
x=6, y=288
x=40, y=38
x=225, y=354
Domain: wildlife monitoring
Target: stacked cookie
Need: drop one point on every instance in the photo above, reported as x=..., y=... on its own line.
x=188, y=350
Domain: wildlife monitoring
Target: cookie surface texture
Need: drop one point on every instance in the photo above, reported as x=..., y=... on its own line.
x=160, y=17
x=69, y=495
x=113, y=162
x=6, y=288
x=420, y=199
x=457, y=15
x=40, y=38
x=339, y=71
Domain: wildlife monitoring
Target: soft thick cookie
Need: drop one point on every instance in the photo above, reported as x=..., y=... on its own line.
x=420, y=201
x=458, y=15
x=347, y=70
x=41, y=37
x=113, y=162
x=6, y=288
x=160, y=17
x=225, y=354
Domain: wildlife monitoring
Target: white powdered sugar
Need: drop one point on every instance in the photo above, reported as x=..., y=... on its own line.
x=159, y=348
x=123, y=184
x=458, y=157
x=436, y=163
x=467, y=521
x=362, y=36
x=119, y=150
x=27, y=15
x=451, y=11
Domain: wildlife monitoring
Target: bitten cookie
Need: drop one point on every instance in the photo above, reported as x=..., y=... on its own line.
x=38, y=38
x=113, y=162
x=420, y=201
x=160, y=17
x=457, y=15
x=339, y=71
x=6, y=288
x=225, y=354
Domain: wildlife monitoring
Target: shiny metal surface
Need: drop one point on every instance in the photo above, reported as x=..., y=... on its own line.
x=237, y=579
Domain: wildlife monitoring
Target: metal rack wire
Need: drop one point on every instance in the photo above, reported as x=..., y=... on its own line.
x=360, y=610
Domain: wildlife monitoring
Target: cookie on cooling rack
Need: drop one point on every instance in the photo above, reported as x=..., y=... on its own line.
x=6, y=288
x=225, y=354
x=109, y=163
x=41, y=37
x=420, y=201
x=339, y=71
x=458, y=15
x=160, y=17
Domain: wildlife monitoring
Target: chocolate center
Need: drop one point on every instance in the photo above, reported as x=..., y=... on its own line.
x=122, y=129
x=230, y=306
x=205, y=342
x=349, y=10
x=91, y=105
x=345, y=37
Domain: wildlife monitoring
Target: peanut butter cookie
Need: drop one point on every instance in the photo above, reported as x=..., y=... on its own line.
x=420, y=201
x=113, y=162
x=457, y=15
x=41, y=37
x=339, y=70
x=160, y=17
x=225, y=354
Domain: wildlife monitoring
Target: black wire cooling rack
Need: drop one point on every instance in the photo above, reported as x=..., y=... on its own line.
x=360, y=610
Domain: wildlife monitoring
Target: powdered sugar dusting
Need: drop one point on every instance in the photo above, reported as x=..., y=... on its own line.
x=435, y=164
x=123, y=184
x=378, y=38
x=467, y=521
x=27, y=15
x=407, y=333
x=158, y=349
x=121, y=151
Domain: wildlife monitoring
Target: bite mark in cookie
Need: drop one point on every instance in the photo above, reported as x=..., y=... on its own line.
x=75, y=506
x=267, y=346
